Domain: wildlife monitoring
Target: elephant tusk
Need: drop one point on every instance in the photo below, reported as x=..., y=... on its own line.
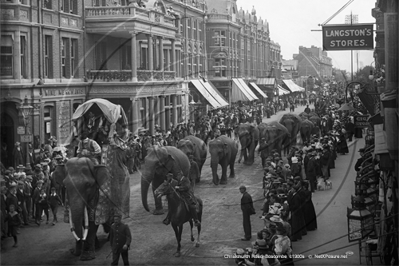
x=71, y=225
x=86, y=226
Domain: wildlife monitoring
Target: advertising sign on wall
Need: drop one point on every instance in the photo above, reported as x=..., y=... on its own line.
x=348, y=37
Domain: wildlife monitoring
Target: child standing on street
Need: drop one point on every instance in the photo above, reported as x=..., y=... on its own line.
x=54, y=201
x=14, y=221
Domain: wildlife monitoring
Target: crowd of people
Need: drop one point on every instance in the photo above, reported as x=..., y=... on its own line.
x=288, y=211
x=29, y=193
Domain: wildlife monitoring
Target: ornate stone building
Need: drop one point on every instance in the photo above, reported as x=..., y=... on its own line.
x=238, y=46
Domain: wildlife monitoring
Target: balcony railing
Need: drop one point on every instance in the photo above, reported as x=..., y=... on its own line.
x=126, y=75
x=130, y=12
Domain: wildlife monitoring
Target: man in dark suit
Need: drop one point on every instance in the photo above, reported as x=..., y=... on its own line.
x=247, y=210
x=120, y=239
x=21, y=202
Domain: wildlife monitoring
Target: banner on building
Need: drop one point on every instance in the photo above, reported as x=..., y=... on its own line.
x=348, y=37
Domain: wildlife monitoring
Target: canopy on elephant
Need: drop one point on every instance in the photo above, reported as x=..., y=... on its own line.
x=112, y=112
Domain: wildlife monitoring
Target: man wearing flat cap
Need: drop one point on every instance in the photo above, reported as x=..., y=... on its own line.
x=247, y=208
x=120, y=239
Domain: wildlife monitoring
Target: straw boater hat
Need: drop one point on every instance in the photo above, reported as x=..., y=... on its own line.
x=20, y=166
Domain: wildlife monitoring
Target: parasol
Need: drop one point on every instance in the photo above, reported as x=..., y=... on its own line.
x=346, y=107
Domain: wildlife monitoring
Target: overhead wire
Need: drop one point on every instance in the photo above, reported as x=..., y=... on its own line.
x=336, y=13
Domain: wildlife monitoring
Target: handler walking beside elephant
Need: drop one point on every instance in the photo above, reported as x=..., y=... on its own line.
x=120, y=239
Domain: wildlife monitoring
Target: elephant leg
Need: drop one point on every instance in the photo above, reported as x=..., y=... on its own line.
x=232, y=173
x=89, y=249
x=223, y=179
x=77, y=251
x=158, y=200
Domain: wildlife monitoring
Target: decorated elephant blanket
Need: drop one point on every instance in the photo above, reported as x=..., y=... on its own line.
x=114, y=194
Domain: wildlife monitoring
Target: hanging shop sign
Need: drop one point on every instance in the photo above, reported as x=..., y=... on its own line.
x=361, y=121
x=348, y=37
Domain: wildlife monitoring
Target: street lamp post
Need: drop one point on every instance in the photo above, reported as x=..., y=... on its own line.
x=26, y=111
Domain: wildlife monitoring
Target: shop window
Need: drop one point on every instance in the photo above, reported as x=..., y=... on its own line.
x=24, y=2
x=6, y=51
x=23, y=51
x=48, y=56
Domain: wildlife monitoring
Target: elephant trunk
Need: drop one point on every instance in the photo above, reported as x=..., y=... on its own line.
x=146, y=179
x=77, y=213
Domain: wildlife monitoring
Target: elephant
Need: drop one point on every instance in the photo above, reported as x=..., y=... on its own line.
x=293, y=123
x=82, y=180
x=196, y=147
x=93, y=194
x=223, y=151
x=249, y=138
x=158, y=163
x=306, y=130
x=316, y=120
x=272, y=136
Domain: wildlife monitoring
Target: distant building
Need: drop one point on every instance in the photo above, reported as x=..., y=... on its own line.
x=314, y=62
x=289, y=69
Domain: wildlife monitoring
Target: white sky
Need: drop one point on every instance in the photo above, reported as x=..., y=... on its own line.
x=291, y=22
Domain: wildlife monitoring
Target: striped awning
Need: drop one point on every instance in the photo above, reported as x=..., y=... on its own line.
x=282, y=91
x=292, y=86
x=241, y=92
x=258, y=89
x=204, y=92
x=214, y=92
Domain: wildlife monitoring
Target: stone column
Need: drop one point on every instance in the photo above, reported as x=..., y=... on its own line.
x=161, y=54
x=135, y=114
x=134, y=58
x=156, y=110
x=167, y=58
x=151, y=115
x=150, y=52
x=161, y=103
x=174, y=109
x=173, y=65
x=17, y=55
